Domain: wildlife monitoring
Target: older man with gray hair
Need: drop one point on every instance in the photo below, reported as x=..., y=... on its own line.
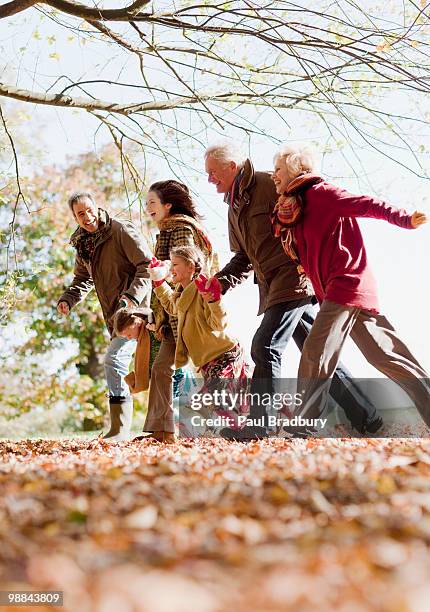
x=286, y=296
x=112, y=257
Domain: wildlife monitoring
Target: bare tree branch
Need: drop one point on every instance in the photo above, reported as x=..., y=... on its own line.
x=204, y=61
x=26, y=95
x=76, y=9
x=14, y=7
x=20, y=197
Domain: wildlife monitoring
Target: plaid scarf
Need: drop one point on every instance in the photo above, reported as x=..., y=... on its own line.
x=288, y=212
x=201, y=238
x=85, y=242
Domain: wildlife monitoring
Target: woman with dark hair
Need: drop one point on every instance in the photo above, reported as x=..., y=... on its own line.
x=172, y=208
x=171, y=197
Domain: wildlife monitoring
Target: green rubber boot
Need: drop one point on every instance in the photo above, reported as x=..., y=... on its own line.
x=121, y=416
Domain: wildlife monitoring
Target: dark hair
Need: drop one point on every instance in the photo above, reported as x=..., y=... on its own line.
x=178, y=195
x=77, y=197
x=190, y=254
x=124, y=317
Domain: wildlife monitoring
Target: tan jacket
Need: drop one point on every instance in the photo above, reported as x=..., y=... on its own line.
x=201, y=326
x=119, y=265
x=256, y=249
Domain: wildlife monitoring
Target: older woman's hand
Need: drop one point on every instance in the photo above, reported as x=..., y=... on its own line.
x=418, y=218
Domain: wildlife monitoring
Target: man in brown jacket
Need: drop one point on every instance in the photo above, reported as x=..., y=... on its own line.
x=112, y=257
x=286, y=297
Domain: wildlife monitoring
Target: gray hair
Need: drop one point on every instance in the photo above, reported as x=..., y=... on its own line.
x=226, y=152
x=77, y=197
x=298, y=158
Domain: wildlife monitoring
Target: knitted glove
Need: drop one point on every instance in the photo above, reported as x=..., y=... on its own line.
x=158, y=271
x=214, y=287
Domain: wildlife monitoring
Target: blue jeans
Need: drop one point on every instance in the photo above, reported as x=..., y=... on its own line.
x=294, y=320
x=117, y=362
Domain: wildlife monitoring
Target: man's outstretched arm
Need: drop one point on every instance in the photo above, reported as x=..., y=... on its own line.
x=234, y=272
x=79, y=288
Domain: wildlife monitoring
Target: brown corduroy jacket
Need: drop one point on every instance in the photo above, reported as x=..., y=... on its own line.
x=119, y=266
x=254, y=246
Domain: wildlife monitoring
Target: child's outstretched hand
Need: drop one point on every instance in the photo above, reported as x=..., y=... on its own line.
x=158, y=271
x=418, y=218
x=210, y=289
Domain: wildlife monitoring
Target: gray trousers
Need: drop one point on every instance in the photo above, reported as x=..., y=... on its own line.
x=160, y=408
x=380, y=345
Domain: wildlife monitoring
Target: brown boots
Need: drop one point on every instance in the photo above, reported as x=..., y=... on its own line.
x=158, y=436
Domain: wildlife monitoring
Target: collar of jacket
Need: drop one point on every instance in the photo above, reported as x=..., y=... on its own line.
x=248, y=178
x=246, y=182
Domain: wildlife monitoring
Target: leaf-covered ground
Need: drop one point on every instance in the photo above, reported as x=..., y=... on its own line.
x=211, y=525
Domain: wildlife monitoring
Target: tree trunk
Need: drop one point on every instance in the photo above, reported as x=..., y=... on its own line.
x=93, y=367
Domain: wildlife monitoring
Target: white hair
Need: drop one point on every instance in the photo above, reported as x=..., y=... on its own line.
x=298, y=158
x=226, y=152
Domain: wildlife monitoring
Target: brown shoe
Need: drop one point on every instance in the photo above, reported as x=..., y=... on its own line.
x=158, y=436
x=169, y=438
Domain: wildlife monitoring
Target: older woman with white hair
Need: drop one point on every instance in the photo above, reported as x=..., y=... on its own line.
x=317, y=224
